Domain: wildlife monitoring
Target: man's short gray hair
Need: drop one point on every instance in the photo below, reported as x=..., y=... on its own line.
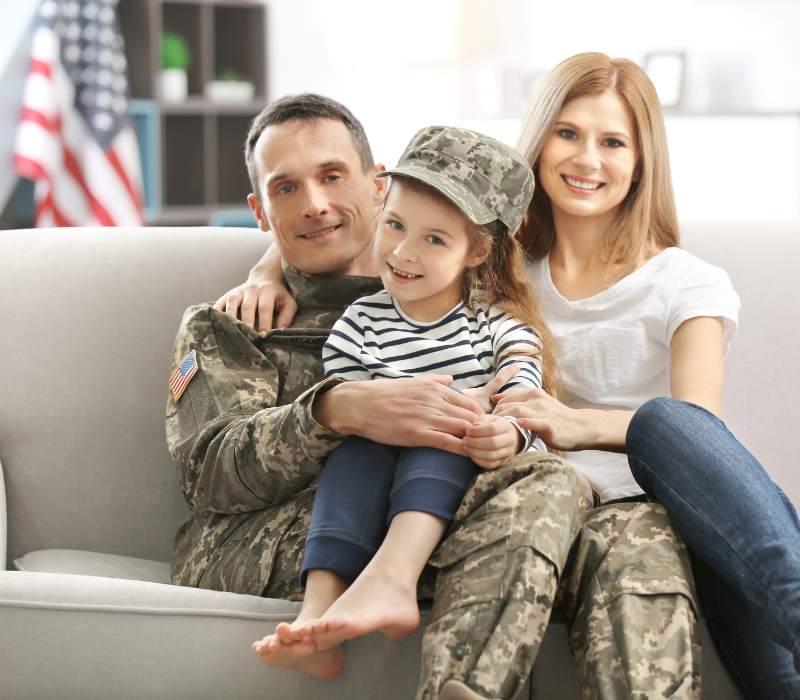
x=307, y=106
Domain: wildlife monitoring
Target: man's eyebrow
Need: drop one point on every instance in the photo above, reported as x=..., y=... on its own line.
x=336, y=163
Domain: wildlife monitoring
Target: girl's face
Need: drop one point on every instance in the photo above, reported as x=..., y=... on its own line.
x=421, y=250
x=589, y=160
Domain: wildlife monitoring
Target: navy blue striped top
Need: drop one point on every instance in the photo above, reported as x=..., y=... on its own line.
x=374, y=339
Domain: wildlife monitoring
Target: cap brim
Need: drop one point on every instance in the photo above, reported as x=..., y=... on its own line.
x=467, y=203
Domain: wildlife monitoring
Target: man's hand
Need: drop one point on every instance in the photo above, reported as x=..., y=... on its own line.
x=259, y=296
x=491, y=441
x=263, y=293
x=418, y=412
x=483, y=394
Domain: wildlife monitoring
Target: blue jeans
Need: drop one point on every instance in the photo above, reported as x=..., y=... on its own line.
x=364, y=484
x=743, y=536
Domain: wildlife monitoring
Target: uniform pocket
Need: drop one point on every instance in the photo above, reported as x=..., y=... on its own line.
x=471, y=562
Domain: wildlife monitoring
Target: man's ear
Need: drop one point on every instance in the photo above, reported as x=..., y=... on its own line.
x=381, y=183
x=258, y=212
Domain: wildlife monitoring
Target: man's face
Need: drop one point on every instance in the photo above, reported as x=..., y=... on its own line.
x=315, y=198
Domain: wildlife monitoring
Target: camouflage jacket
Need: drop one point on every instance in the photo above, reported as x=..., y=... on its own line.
x=245, y=444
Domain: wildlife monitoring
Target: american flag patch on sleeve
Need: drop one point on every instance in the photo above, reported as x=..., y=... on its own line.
x=182, y=375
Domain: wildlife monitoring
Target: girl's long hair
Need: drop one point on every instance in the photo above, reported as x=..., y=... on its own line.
x=504, y=281
x=647, y=220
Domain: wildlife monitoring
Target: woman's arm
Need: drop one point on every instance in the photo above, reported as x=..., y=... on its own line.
x=264, y=293
x=697, y=372
x=564, y=428
x=696, y=376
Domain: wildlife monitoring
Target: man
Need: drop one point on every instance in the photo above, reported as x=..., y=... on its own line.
x=250, y=428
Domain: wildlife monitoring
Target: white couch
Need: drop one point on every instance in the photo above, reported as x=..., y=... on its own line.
x=88, y=317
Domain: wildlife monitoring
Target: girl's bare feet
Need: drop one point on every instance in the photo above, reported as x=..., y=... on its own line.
x=291, y=650
x=299, y=656
x=375, y=602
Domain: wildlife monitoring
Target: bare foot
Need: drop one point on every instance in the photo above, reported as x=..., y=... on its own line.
x=372, y=603
x=279, y=650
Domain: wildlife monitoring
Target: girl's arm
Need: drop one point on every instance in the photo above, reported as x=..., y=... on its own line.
x=263, y=293
x=696, y=376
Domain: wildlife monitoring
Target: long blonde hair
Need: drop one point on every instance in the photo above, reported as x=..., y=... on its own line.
x=647, y=220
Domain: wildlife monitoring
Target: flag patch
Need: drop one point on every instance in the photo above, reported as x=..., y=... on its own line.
x=182, y=375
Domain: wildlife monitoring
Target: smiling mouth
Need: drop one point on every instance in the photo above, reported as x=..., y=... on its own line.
x=404, y=275
x=317, y=234
x=582, y=185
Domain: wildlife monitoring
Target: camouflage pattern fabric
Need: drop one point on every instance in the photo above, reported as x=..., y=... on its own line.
x=631, y=605
x=624, y=576
x=247, y=449
x=483, y=177
x=249, y=453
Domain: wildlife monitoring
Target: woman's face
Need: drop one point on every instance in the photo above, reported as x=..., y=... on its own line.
x=589, y=160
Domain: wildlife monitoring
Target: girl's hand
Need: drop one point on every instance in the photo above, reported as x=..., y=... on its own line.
x=560, y=427
x=483, y=394
x=491, y=441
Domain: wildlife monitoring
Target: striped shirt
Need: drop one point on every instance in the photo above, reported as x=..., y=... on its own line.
x=374, y=339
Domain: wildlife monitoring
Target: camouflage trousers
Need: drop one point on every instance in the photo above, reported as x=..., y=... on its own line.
x=521, y=543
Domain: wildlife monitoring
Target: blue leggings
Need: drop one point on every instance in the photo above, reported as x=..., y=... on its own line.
x=363, y=486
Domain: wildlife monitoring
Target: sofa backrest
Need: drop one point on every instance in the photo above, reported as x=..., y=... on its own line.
x=87, y=322
x=762, y=382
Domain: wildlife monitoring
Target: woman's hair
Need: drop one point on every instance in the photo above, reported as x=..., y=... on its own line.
x=647, y=220
x=505, y=283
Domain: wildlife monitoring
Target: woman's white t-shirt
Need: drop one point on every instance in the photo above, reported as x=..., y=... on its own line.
x=614, y=347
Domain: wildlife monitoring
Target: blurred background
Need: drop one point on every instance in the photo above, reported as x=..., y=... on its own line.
x=727, y=71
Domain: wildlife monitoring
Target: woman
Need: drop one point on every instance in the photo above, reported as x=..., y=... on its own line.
x=637, y=318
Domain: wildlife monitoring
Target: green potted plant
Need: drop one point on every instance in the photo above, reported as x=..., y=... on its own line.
x=230, y=86
x=175, y=60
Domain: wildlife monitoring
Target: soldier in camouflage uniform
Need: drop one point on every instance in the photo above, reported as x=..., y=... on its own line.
x=252, y=427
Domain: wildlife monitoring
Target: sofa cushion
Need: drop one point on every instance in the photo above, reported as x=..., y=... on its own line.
x=85, y=637
x=73, y=561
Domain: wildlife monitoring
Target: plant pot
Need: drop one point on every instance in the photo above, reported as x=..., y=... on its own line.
x=228, y=91
x=173, y=85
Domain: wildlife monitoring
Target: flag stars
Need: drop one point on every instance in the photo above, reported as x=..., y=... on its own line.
x=103, y=121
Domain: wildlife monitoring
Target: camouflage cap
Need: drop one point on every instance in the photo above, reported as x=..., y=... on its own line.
x=483, y=177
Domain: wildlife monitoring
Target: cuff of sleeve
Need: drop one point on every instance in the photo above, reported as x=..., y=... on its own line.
x=527, y=436
x=318, y=441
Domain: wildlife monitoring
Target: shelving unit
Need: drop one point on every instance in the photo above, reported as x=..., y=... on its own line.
x=202, y=161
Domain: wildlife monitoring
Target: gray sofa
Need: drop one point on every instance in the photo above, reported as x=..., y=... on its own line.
x=92, y=501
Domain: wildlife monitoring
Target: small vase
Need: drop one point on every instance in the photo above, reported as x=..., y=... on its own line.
x=173, y=85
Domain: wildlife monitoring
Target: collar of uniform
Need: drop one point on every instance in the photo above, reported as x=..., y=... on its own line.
x=327, y=291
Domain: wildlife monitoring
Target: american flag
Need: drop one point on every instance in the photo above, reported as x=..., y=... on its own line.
x=75, y=139
x=180, y=378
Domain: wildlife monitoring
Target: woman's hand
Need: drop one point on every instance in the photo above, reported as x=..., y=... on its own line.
x=559, y=427
x=263, y=293
x=491, y=441
x=564, y=428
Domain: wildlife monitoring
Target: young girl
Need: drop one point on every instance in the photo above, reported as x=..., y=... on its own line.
x=456, y=300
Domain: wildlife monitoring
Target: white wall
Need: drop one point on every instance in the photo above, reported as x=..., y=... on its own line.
x=403, y=65
x=16, y=17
